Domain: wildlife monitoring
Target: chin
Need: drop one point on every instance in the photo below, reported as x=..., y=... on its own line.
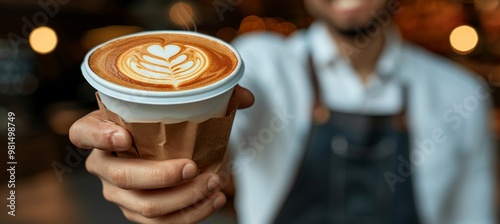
x=347, y=32
x=349, y=29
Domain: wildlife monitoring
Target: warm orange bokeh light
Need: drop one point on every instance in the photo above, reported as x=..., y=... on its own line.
x=43, y=40
x=227, y=34
x=285, y=28
x=98, y=36
x=271, y=23
x=182, y=14
x=486, y=5
x=252, y=23
x=464, y=39
x=255, y=23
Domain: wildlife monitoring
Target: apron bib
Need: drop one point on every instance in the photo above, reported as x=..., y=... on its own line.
x=341, y=178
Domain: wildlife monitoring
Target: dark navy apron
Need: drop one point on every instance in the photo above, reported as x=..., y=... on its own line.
x=341, y=178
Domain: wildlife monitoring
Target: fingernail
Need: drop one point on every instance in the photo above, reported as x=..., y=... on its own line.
x=213, y=183
x=189, y=171
x=119, y=141
x=219, y=202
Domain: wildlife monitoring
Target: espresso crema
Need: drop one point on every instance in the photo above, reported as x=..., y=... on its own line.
x=163, y=62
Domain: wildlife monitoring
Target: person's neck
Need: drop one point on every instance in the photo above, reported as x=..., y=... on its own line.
x=363, y=58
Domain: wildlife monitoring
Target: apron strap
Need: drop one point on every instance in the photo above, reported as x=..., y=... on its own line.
x=320, y=113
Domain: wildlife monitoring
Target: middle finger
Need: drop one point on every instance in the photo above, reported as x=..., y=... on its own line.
x=154, y=203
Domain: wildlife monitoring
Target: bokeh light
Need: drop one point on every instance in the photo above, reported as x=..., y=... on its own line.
x=61, y=115
x=271, y=23
x=182, y=14
x=464, y=39
x=486, y=5
x=275, y=24
x=285, y=28
x=226, y=34
x=252, y=23
x=98, y=36
x=43, y=40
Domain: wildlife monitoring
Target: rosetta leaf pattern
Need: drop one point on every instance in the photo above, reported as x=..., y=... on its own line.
x=169, y=64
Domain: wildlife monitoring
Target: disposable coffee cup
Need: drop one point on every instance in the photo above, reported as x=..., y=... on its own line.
x=195, y=105
x=193, y=123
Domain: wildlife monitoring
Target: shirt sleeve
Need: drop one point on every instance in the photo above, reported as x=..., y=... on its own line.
x=256, y=50
x=475, y=195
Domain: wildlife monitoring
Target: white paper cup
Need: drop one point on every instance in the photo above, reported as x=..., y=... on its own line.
x=196, y=105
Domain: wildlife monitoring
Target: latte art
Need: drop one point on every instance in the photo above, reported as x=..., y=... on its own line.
x=168, y=62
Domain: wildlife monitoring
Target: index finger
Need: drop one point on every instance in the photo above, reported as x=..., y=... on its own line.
x=91, y=131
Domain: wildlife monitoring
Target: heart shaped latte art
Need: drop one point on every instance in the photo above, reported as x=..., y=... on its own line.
x=170, y=64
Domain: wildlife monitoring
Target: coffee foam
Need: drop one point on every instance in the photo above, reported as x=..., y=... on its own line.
x=163, y=62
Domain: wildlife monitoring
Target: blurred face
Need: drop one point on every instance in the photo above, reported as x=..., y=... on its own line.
x=344, y=16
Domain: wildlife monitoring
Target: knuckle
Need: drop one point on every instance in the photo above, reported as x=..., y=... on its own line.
x=90, y=163
x=201, y=206
x=118, y=177
x=148, y=209
x=189, y=199
x=107, y=131
x=103, y=135
x=195, y=214
x=165, y=173
x=129, y=215
x=186, y=216
x=108, y=193
x=198, y=193
x=193, y=197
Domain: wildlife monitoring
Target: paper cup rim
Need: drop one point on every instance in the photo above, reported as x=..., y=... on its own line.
x=157, y=97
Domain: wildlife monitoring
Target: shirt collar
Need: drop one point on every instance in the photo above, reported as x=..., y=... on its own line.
x=321, y=45
x=325, y=51
x=391, y=54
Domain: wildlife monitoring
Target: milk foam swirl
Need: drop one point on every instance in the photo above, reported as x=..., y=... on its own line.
x=163, y=61
x=170, y=64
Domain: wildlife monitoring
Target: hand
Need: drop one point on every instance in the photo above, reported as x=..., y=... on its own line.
x=149, y=191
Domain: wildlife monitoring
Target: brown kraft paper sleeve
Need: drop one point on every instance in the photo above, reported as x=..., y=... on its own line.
x=205, y=143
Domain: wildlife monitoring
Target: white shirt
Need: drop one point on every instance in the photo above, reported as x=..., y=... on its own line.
x=343, y=89
x=451, y=147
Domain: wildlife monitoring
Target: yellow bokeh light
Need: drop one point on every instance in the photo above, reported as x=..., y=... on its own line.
x=182, y=14
x=464, y=39
x=43, y=40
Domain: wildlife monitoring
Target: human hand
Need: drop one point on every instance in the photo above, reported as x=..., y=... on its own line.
x=148, y=191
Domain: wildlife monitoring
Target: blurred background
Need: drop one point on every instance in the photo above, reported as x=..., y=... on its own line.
x=43, y=42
